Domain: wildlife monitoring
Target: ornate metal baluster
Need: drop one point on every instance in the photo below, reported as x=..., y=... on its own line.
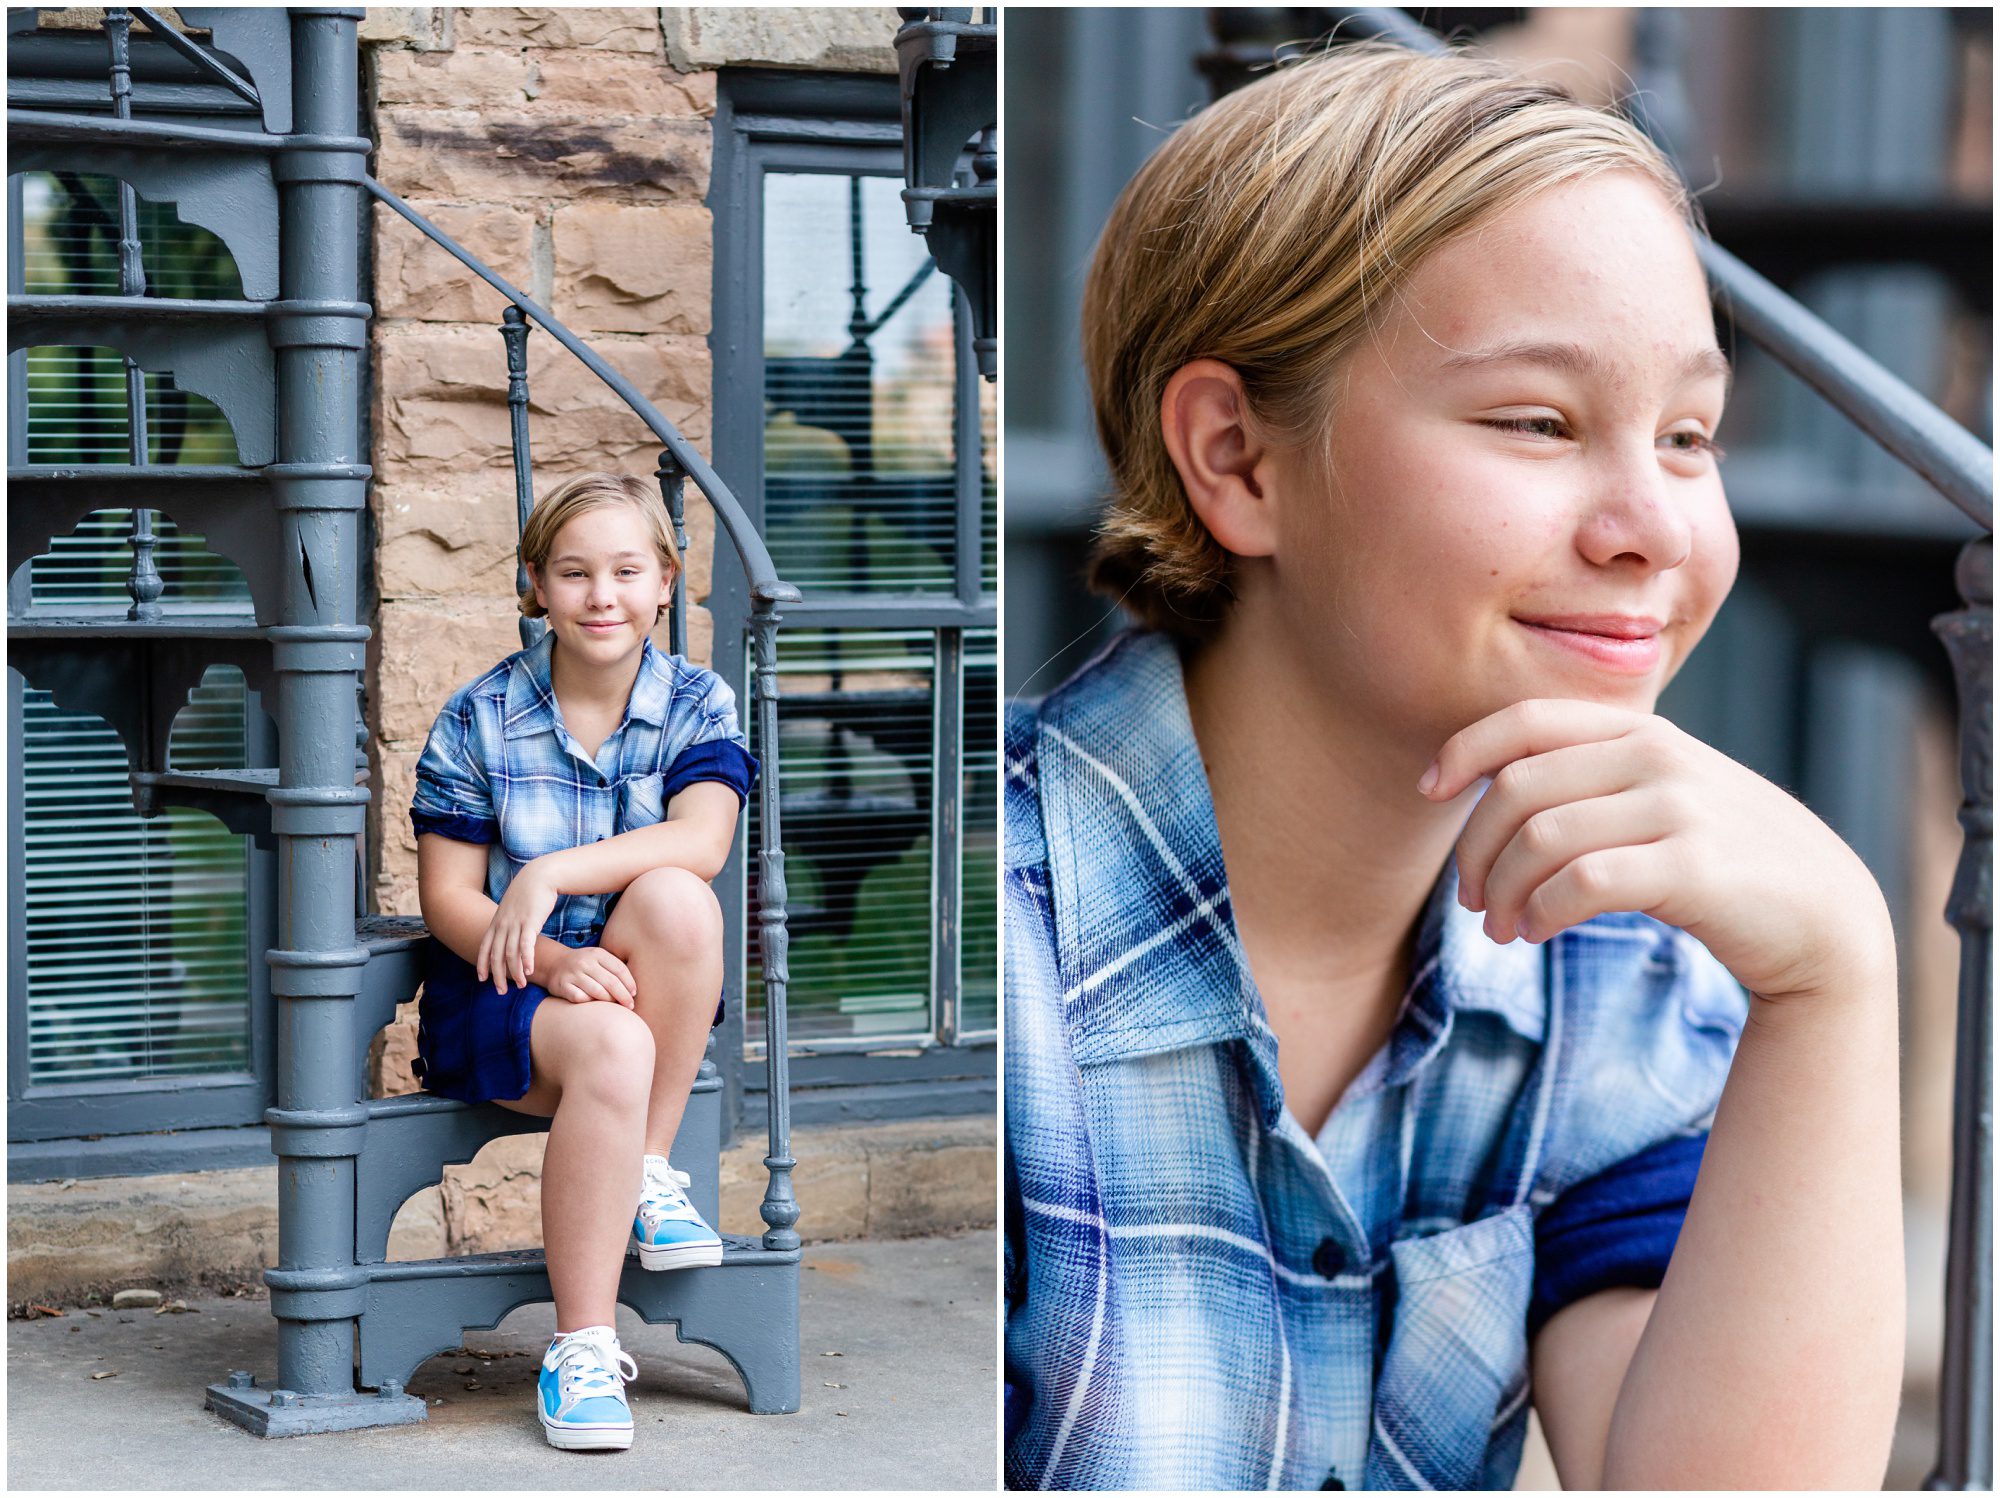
x=144, y=583
x=672, y=477
x=514, y=330
x=780, y=1209
x=1965, y=1403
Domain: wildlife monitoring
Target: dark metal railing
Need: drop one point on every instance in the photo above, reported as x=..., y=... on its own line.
x=1960, y=468
x=679, y=462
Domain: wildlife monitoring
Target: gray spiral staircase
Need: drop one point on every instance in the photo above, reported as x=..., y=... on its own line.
x=281, y=179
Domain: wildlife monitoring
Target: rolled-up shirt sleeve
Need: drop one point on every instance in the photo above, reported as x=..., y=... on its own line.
x=1618, y=1228
x=454, y=797
x=718, y=751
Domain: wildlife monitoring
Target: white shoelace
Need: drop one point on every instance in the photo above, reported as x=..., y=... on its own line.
x=663, y=1198
x=586, y=1367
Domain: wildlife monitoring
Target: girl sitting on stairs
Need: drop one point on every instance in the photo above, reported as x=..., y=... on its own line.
x=572, y=804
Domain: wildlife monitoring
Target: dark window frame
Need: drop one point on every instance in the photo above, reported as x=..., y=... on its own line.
x=835, y=123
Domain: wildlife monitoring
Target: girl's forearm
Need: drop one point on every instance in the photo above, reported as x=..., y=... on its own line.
x=1774, y=1354
x=695, y=843
x=459, y=918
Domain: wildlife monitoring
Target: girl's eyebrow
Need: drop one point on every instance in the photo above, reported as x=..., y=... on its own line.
x=1574, y=358
x=623, y=556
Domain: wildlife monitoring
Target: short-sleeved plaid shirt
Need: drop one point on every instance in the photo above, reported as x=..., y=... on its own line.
x=1199, y=1294
x=501, y=768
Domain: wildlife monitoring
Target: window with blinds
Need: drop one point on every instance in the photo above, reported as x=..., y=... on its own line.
x=857, y=724
x=137, y=961
x=860, y=489
x=979, y=858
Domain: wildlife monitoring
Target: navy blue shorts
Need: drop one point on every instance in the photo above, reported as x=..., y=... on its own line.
x=472, y=1039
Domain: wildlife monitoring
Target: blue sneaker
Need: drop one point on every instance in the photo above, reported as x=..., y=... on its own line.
x=668, y=1232
x=581, y=1392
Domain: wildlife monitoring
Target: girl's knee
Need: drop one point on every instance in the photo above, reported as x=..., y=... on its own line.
x=677, y=911
x=605, y=1049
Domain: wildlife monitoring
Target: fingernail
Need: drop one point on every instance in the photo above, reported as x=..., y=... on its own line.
x=1430, y=779
x=1521, y=929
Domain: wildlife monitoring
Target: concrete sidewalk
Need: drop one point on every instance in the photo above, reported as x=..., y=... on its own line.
x=909, y=1402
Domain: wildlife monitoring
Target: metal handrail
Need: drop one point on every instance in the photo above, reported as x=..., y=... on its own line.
x=763, y=576
x=1958, y=466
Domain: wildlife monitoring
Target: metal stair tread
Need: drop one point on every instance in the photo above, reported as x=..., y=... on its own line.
x=233, y=626
x=48, y=125
x=737, y=1250
x=31, y=309
x=127, y=473
x=389, y=933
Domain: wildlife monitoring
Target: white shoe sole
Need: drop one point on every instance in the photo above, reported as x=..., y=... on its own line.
x=679, y=1255
x=587, y=1437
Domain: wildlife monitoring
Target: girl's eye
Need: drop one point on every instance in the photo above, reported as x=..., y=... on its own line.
x=1697, y=442
x=1524, y=423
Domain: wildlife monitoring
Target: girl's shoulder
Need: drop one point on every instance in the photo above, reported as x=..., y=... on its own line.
x=485, y=692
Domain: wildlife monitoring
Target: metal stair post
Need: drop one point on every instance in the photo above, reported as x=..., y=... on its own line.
x=320, y=1121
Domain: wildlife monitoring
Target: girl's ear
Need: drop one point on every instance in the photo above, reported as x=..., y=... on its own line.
x=1221, y=458
x=535, y=582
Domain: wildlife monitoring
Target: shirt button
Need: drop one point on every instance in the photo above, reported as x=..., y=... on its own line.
x=1327, y=1259
x=1333, y=1484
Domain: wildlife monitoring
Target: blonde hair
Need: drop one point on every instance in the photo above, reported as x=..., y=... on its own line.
x=577, y=496
x=1268, y=231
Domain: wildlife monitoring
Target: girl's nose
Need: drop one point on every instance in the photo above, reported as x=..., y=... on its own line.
x=1636, y=515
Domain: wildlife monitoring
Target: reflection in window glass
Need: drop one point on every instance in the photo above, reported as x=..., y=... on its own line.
x=859, y=357
x=856, y=720
x=979, y=942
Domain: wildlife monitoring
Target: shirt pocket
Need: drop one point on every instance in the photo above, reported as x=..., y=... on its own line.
x=1458, y=1352
x=641, y=802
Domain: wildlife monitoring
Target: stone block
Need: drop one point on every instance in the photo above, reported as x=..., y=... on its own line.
x=449, y=540
x=418, y=26
x=463, y=78
x=395, y=886
x=938, y=1182
x=494, y=1202
x=441, y=404
x=844, y=39
x=415, y=278
x=542, y=157
x=832, y=1177
x=171, y=1232
x=604, y=30
x=614, y=84
x=424, y=652
x=628, y=268
x=392, y=1050
x=418, y=1231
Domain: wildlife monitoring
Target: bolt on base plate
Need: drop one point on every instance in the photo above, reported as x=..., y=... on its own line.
x=281, y=1412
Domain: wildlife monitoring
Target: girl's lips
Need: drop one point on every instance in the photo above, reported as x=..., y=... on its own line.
x=606, y=627
x=1631, y=657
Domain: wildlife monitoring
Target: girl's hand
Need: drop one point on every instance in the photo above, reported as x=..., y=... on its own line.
x=585, y=974
x=1594, y=808
x=508, y=948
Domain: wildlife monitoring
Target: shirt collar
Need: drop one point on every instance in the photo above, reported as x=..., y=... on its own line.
x=531, y=692
x=1146, y=944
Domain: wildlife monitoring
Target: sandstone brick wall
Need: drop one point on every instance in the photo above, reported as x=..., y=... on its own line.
x=570, y=150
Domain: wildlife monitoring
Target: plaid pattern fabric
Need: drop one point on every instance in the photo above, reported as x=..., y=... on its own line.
x=500, y=768
x=1200, y=1295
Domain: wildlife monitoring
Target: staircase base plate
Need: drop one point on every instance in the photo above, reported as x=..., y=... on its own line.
x=311, y=1414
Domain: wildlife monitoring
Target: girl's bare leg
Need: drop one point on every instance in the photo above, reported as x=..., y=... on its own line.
x=667, y=929
x=593, y=1070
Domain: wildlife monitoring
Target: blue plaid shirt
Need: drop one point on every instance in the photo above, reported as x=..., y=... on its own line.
x=1199, y=1294
x=500, y=768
